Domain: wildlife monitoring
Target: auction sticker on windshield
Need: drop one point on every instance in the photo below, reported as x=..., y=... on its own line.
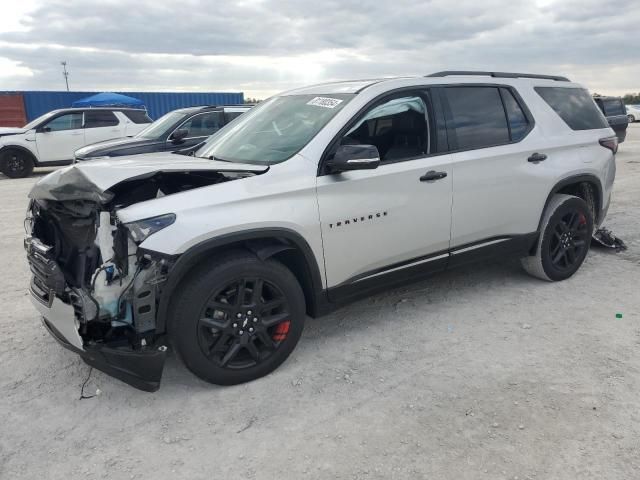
x=325, y=102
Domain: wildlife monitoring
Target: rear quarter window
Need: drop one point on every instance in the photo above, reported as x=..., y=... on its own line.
x=99, y=118
x=575, y=106
x=137, y=116
x=613, y=106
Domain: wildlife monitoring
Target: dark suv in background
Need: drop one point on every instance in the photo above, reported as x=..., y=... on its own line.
x=616, y=113
x=177, y=130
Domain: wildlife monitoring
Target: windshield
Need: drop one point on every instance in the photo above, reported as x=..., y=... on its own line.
x=275, y=130
x=159, y=128
x=33, y=123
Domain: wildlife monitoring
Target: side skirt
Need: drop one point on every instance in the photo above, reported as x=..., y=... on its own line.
x=419, y=268
x=54, y=163
x=506, y=246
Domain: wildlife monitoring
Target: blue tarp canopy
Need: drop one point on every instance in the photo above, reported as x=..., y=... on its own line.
x=108, y=99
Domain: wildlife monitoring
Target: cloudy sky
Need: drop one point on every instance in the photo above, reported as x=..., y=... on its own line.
x=261, y=47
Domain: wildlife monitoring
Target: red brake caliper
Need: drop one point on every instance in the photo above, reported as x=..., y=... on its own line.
x=281, y=331
x=583, y=219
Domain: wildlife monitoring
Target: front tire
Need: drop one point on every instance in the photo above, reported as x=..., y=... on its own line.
x=16, y=164
x=631, y=118
x=564, y=240
x=237, y=318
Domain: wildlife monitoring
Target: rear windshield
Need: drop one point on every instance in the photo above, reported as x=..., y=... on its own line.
x=613, y=106
x=137, y=116
x=575, y=106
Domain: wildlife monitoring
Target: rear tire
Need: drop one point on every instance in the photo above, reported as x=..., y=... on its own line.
x=564, y=240
x=237, y=318
x=16, y=163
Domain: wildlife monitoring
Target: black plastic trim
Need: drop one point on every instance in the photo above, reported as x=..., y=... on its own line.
x=140, y=369
x=574, y=180
x=387, y=277
x=186, y=261
x=519, y=245
x=449, y=73
x=394, y=266
x=393, y=275
x=55, y=163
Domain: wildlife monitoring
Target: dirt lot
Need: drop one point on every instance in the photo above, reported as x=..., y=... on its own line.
x=477, y=373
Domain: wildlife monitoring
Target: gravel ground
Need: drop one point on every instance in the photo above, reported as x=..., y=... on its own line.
x=477, y=373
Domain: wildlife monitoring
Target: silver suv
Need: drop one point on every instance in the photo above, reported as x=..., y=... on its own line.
x=314, y=198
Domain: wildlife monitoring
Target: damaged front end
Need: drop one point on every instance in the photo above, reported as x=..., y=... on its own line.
x=98, y=293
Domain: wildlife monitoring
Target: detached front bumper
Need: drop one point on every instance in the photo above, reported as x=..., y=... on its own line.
x=140, y=369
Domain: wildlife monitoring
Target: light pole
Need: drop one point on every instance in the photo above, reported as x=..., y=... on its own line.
x=65, y=73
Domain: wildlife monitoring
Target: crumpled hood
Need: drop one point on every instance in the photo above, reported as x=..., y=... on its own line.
x=92, y=180
x=11, y=131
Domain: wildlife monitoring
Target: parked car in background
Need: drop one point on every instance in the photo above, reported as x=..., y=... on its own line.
x=633, y=113
x=613, y=108
x=51, y=139
x=177, y=130
x=314, y=198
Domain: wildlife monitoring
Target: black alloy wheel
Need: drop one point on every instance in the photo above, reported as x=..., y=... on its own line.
x=16, y=164
x=569, y=241
x=244, y=323
x=565, y=237
x=236, y=318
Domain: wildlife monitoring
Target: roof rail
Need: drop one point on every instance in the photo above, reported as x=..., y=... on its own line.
x=224, y=105
x=448, y=73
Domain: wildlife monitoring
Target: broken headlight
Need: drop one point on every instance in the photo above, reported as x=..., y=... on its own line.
x=142, y=229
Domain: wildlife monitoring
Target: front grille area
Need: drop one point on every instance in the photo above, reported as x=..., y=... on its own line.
x=41, y=292
x=46, y=272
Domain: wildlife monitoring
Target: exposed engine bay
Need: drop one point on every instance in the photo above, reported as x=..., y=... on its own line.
x=82, y=255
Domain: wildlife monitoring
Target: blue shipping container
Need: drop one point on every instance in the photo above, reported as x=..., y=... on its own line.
x=37, y=103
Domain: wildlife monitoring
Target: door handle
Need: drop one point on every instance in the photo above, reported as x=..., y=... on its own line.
x=432, y=175
x=537, y=157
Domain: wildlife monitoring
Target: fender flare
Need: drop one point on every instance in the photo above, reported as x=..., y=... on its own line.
x=573, y=180
x=264, y=243
x=22, y=149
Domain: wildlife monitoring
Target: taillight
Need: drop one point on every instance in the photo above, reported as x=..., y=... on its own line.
x=610, y=142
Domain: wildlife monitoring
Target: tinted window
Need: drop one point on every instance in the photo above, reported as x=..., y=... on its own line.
x=99, y=118
x=613, y=106
x=69, y=121
x=137, y=116
x=203, y=125
x=575, y=106
x=518, y=123
x=478, y=116
x=232, y=115
x=398, y=128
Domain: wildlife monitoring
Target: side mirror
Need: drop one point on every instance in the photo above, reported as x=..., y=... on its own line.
x=179, y=135
x=43, y=129
x=354, y=157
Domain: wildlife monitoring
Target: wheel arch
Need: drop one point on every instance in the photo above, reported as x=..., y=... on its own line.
x=284, y=245
x=21, y=148
x=578, y=185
